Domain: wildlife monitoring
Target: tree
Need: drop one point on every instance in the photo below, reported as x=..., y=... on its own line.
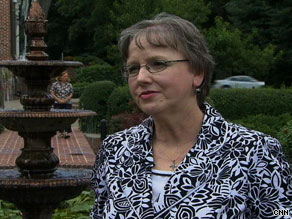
x=71, y=29
x=235, y=53
x=270, y=22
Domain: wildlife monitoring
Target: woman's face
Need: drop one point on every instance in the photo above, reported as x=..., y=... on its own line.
x=169, y=91
x=64, y=77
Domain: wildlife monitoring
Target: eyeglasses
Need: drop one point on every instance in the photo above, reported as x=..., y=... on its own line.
x=152, y=67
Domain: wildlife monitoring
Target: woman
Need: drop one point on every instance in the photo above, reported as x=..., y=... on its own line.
x=62, y=91
x=185, y=160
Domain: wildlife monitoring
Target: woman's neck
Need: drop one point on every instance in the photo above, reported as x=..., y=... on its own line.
x=178, y=130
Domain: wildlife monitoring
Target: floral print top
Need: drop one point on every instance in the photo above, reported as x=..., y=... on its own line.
x=231, y=172
x=62, y=90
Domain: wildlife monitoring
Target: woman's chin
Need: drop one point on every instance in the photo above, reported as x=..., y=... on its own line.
x=152, y=111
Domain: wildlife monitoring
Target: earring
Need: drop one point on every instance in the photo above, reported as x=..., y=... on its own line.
x=198, y=90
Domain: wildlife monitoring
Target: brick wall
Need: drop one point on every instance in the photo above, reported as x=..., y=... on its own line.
x=5, y=30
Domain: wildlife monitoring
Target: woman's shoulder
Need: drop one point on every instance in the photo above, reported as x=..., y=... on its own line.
x=249, y=134
x=252, y=140
x=132, y=134
x=55, y=83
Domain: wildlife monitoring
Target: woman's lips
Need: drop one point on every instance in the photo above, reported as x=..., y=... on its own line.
x=146, y=95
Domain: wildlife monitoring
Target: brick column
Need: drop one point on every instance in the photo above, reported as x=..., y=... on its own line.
x=5, y=30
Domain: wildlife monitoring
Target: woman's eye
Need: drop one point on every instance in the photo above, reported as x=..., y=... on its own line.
x=133, y=69
x=157, y=64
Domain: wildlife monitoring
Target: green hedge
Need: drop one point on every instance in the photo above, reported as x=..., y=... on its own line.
x=233, y=104
x=239, y=103
x=99, y=72
x=95, y=98
x=285, y=137
x=79, y=88
x=265, y=123
x=122, y=110
x=119, y=100
x=88, y=60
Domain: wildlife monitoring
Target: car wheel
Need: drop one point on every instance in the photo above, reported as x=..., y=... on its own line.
x=226, y=87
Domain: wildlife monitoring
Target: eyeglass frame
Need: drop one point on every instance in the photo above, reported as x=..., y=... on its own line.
x=126, y=74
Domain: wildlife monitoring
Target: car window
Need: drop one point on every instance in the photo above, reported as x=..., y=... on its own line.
x=234, y=79
x=242, y=78
x=245, y=79
x=248, y=79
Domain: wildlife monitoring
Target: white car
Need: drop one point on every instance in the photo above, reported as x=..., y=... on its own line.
x=239, y=81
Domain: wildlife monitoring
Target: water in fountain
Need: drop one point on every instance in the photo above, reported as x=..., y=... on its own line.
x=37, y=186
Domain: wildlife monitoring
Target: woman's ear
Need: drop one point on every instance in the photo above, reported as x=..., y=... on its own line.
x=198, y=79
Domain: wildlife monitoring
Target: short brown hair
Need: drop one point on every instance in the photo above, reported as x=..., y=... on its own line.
x=172, y=31
x=58, y=78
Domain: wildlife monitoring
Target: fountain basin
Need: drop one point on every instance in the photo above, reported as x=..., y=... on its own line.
x=38, y=69
x=37, y=198
x=50, y=121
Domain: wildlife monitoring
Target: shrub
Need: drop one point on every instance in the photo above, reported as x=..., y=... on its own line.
x=79, y=88
x=265, y=123
x=239, y=103
x=95, y=98
x=88, y=60
x=119, y=100
x=78, y=207
x=125, y=120
x=123, y=112
x=99, y=72
x=285, y=137
x=9, y=210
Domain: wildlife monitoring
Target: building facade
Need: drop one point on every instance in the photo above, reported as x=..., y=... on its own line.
x=6, y=30
x=8, y=46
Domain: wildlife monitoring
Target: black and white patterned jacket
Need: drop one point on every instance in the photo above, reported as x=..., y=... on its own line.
x=231, y=172
x=62, y=90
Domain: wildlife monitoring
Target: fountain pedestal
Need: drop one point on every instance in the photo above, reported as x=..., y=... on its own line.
x=37, y=155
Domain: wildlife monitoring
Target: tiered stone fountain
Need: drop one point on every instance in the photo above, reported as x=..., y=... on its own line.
x=37, y=185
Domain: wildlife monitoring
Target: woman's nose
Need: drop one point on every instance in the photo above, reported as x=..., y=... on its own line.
x=144, y=75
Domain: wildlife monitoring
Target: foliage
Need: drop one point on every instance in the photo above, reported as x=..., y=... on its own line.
x=77, y=208
x=125, y=120
x=285, y=137
x=94, y=98
x=79, y=88
x=88, y=60
x=71, y=28
x=93, y=26
x=119, y=101
x=235, y=54
x=269, y=22
x=265, y=123
x=238, y=103
x=8, y=210
x=99, y=72
x=254, y=42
